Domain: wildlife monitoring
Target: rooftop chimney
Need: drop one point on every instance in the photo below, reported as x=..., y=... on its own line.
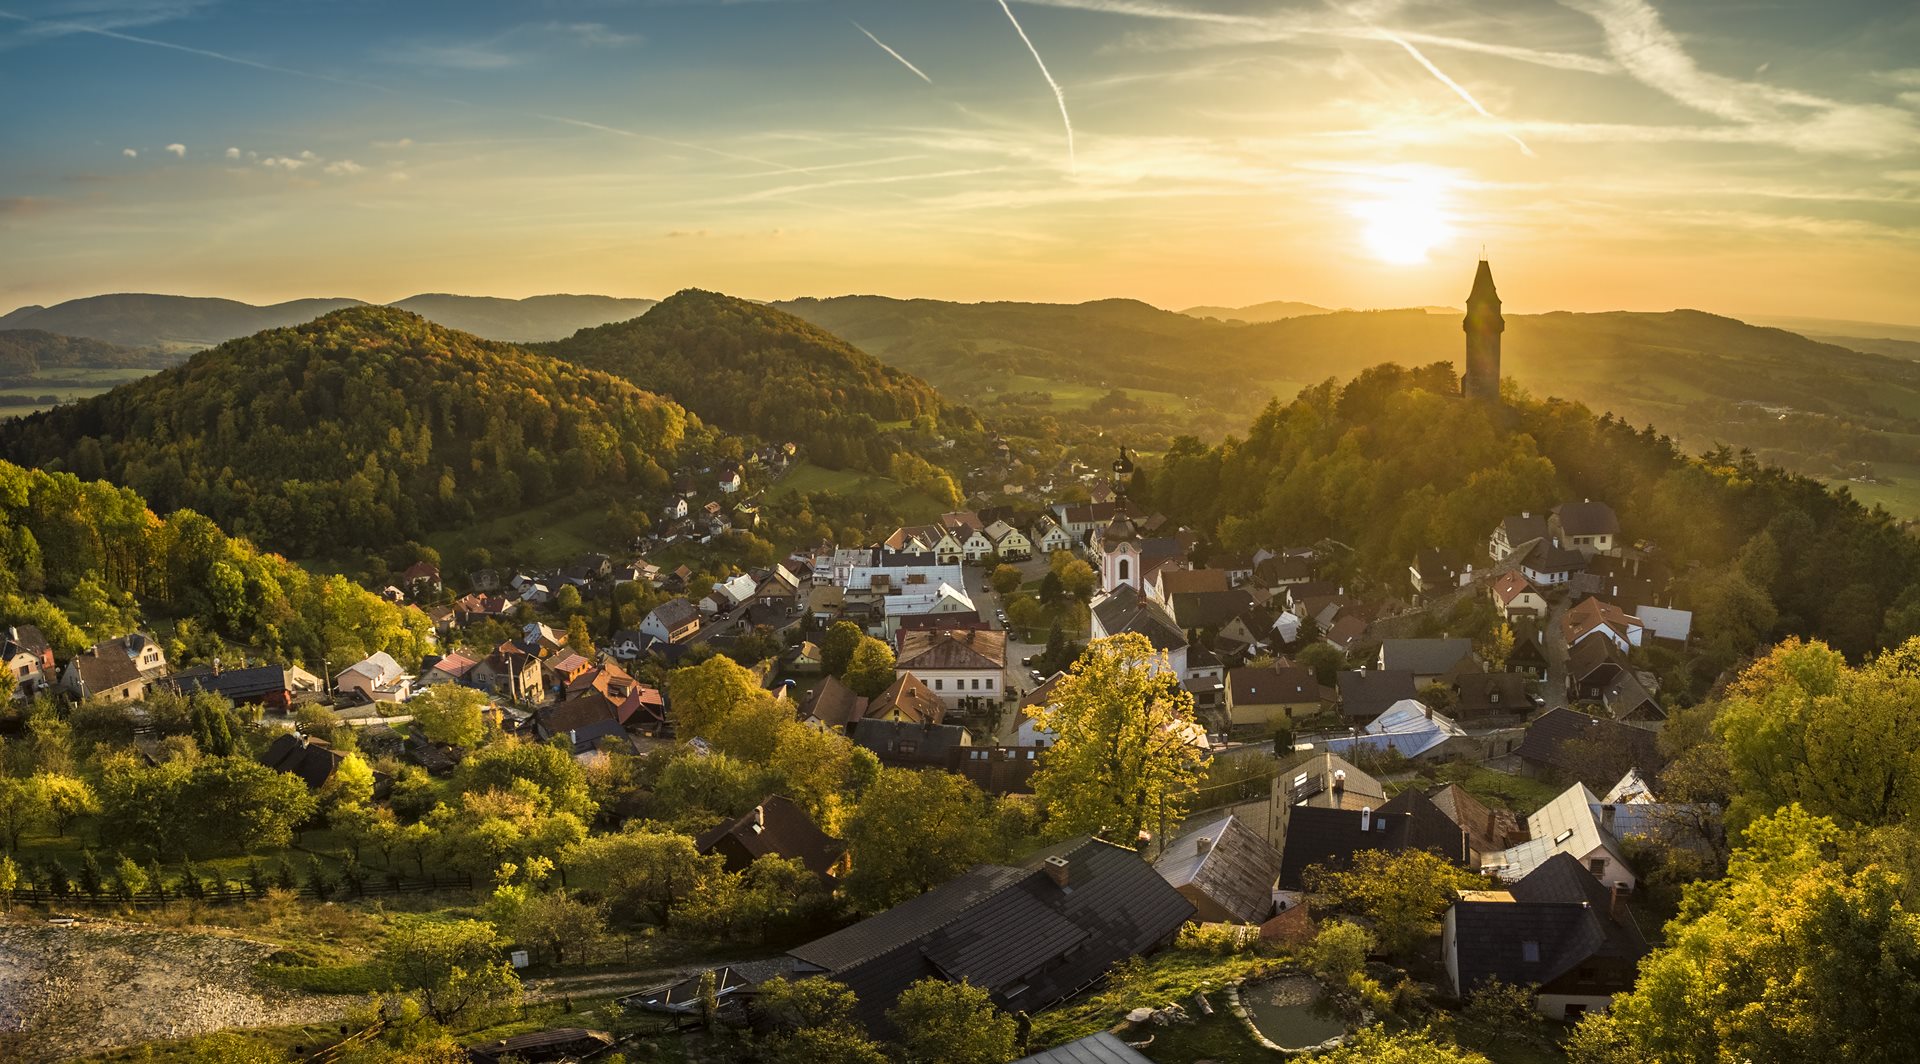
x=1366, y=818
x=1615, y=901
x=1606, y=817
x=759, y=818
x=1057, y=871
x=1203, y=844
x=1339, y=779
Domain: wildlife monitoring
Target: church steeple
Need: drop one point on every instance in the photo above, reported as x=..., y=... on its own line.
x=1483, y=326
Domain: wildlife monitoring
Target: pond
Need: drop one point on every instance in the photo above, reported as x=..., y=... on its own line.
x=1290, y=1012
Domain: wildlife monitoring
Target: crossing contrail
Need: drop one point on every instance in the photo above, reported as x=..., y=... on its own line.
x=1065, y=118
x=891, y=52
x=1458, y=89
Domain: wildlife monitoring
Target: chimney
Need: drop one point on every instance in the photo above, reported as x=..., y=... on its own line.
x=1366, y=818
x=1429, y=710
x=1615, y=901
x=1339, y=780
x=1203, y=844
x=759, y=818
x=1057, y=871
x=1606, y=817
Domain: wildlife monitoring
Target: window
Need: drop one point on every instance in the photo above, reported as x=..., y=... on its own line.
x=1530, y=952
x=989, y=683
x=976, y=683
x=1125, y=571
x=1598, y=866
x=938, y=683
x=1563, y=836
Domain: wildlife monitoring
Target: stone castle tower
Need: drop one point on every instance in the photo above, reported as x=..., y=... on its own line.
x=1483, y=326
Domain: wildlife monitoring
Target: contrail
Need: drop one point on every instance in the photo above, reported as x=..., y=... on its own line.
x=891, y=52
x=1065, y=118
x=1458, y=89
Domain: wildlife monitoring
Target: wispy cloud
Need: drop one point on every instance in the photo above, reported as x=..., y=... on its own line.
x=1058, y=95
x=884, y=47
x=178, y=151
x=131, y=153
x=512, y=47
x=1458, y=89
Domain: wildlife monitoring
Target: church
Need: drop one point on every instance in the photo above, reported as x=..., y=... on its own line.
x=1483, y=326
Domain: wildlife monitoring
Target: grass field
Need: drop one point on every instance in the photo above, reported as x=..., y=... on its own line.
x=85, y=384
x=805, y=478
x=1901, y=497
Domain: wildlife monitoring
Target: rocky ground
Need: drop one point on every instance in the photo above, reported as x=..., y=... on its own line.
x=69, y=991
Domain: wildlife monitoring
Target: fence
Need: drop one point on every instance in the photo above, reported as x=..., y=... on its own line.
x=231, y=893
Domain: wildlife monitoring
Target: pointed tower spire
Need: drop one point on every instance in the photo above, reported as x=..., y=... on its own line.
x=1483, y=326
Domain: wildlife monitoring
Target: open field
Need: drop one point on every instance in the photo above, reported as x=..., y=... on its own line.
x=1901, y=496
x=75, y=384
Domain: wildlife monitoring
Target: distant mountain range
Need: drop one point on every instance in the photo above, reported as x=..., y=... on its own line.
x=139, y=320
x=1273, y=311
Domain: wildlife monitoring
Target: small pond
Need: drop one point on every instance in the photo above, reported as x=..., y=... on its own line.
x=1290, y=1012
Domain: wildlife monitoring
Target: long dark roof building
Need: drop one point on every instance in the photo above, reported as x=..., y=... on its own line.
x=1030, y=936
x=1559, y=929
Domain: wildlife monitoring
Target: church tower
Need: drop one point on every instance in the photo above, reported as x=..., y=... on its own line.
x=1483, y=326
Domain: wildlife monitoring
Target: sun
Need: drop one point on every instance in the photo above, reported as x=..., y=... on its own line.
x=1403, y=218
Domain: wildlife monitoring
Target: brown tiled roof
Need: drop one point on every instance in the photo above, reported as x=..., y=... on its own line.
x=833, y=704
x=779, y=827
x=913, y=700
x=1187, y=581
x=1273, y=686
x=948, y=649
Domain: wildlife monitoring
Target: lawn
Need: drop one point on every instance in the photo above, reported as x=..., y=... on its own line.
x=1171, y=976
x=805, y=478
x=1901, y=497
x=1522, y=795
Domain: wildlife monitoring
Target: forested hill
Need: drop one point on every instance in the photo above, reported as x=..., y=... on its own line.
x=534, y=318
x=1816, y=407
x=362, y=428
x=24, y=352
x=752, y=369
x=1393, y=462
x=142, y=320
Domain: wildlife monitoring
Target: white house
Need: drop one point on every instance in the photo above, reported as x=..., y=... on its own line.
x=957, y=664
x=919, y=601
x=1009, y=543
x=1047, y=536
x=377, y=678
x=673, y=621
x=1409, y=728
x=1569, y=824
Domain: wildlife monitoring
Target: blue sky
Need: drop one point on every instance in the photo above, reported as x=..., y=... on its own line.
x=1607, y=153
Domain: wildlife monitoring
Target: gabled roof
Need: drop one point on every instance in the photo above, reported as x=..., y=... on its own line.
x=675, y=613
x=1369, y=693
x=1588, y=656
x=1558, y=919
x=1487, y=830
x=1330, y=837
x=952, y=649
x=1193, y=581
x=1228, y=862
x=1587, y=518
x=1509, y=586
x=1548, y=734
x=239, y=685
x=777, y=827
x=1209, y=609
x=1547, y=558
x=1273, y=685
x=913, y=700
x=1424, y=657
x=1490, y=692
x=1102, y=1048
x=1013, y=931
x=1126, y=610
x=1333, y=782
x=1593, y=613
x=1566, y=825
x=313, y=760
x=832, y=703
x=1626, y=698
x=1409, y=727
x=1524, y=528
x=898, y=742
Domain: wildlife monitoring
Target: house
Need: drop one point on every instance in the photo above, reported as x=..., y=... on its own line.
x=1409, y=728
x=957, y=664
x=1284, y=570
x=455, y=666
x=1328, y=838
x=906, y=700
x=421, y=579
x=1323, y=781
x=805, y=658
x=1586, y=526
x=1209, y=610
x=729, y=480
x=542, y=1047
x=1558, y=743
x=1514, y=534
x=906, y=745
x=777, y=827
x=588, y=718
x=676, y=509
x=1030, y=936
x=673, y=621
x=1593, y=617
x=967, y=530
x=1102, y=1048
x=1515, y=597
x=736, y=590
x=1009, y=543
x=1673, y=626
x=1264, y=697
x=1551, y=566
x=1628, y=698
x=1488, y=829
x=313, y=760
x=1529, y=654
x=29, y=660
x=1438, y=569
x=271, y=686
x=375, y=678
x=1592, y=667
x=1557, y=930
x=1225, y=869
x=118, y=670
x=1046, y=536
x=563, y=668
x=926, y=601
x=997, y=770
x=1570, y=825
x=510, y=670
x=1479, y=695
x=1365, y=694
x=1427, y=659
x=1125, y=609
x=480, y=607
x=1168, y=581
x=832, y=705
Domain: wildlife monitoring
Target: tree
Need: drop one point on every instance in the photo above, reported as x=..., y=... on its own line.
x=1401, y=892
x=812, y=1022
x=451, y=966
x=22, y=808
x=1324, y=659
x=1498, y=648
x=1123, y=761
x=952, y=1023
x=579, y=637
x=1079, y=579
x=558, y=782
x=1338, y=953
x=448, y=713
x=699, y=696
x=641, y=872
x=1052, y=588
x=129, y=878
x=870, y=671
x=948, y=818
x=567, y=599
x=350, y=787
x=1502, y=1009
x=1006, y=579
x=1767, y=963
x=838, y=645
x=237, y=802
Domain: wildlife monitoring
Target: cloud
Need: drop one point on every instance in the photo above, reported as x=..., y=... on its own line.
x=1457, y=88
x=131, y=153
x=1058, y=95
x=25, y=206
x=282, y=162
x=594, y=34
x=179, y=150
x=393, y=145
x=233, y=153
x=344, y=168
x=889, y=50
x=689, y=234
x=512, y=47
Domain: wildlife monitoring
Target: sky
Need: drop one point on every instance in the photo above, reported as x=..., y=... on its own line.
x=1743, y=158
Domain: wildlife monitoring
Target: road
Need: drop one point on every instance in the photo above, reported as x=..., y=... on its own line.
x=1019, y=678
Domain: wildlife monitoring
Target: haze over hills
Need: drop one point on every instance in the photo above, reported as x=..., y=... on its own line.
x=26, y=351
x=1270, y=311
x=141, y=320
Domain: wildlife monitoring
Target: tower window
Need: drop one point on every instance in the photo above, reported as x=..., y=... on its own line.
x=1125, y=570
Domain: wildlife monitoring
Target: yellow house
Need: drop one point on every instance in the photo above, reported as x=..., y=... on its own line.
x=1263, y=697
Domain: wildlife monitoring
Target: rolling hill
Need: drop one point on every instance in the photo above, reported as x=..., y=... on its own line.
x=1270, y=311
x=186, y=322
x=365, y=427
x=755, y=370
x=24, y=352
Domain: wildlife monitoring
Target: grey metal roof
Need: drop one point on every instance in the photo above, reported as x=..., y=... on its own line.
x=1424, y=657
x=1103, y=1048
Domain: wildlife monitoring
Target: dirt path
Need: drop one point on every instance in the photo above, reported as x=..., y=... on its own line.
x=100, y=984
